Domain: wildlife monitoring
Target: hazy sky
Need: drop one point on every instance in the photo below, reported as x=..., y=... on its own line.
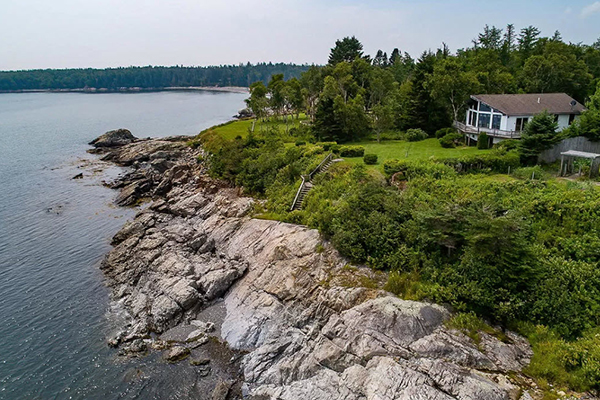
x=110, y=33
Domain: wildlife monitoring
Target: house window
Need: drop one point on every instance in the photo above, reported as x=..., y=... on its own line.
x=521, y=122
x=472, y=118
x=484, y=120
x=496, y=119
x=555, y=117
x=571, y=118
x=484, y=107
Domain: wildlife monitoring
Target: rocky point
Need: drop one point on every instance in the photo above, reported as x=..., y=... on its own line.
x=269, y=310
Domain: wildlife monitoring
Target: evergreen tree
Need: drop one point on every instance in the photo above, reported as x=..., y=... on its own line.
x=426, y=112
x=527, y=40
x=490, y=39
x=395, y=56
x=347, y=49
x=539, y=135
x=508, y=44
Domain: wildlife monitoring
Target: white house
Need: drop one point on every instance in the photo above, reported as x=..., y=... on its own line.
x=503, y=116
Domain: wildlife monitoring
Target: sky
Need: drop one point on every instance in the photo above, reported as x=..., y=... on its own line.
x=112, y=33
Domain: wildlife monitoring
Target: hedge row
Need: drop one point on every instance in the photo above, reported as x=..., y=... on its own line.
x=497, y=162
x=494, y=161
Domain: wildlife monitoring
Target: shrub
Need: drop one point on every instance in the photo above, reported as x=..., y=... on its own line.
x=352, y=151
x=483, y=141
x=451, y=140
x=443, y=132
x=327, y=146
x=446, y=142
x=370, y=159
x=417, y=168
x=507, y=145
x=494, y=161
x=415, y=135
x=528, y=172
x=300, y=143
x=576, y=364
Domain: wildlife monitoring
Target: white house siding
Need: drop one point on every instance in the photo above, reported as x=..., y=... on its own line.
x=511, y=123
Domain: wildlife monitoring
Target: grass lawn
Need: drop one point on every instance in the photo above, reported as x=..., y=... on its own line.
x=399, y=149
x=232, y=129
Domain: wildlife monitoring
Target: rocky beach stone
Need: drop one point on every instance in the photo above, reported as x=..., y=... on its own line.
x=115, y=138
x=299, y=321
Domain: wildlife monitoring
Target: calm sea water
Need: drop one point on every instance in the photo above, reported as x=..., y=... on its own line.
x=54, y=231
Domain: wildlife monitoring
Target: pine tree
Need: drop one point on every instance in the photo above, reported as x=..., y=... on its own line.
x=395, y=56
x=539, y=135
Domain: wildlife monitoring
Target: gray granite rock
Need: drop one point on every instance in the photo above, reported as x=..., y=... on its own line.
x=302, y=324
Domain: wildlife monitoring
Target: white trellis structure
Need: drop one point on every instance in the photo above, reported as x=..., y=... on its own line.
x=567, y=158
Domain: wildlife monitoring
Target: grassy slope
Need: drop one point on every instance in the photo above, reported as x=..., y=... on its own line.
x=393, y=149
x=232, y=129
x=399, y=149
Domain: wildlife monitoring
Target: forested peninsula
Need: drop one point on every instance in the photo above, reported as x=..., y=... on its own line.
x=144, y=78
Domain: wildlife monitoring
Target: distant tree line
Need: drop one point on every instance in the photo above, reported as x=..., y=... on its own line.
x=146, y=77
x=356, y=95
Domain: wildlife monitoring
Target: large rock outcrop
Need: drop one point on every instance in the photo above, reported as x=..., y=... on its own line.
x=114, y=138
x=308, y=325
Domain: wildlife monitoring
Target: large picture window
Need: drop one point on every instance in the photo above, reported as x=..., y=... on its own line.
x=484, y=120
x=496, y=119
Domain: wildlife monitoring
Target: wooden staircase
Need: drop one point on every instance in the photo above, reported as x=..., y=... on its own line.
x=306, y=184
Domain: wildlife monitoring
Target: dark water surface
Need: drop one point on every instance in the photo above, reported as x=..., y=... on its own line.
x=54, y=231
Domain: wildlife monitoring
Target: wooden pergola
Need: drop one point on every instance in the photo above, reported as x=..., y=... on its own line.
x=567, y=158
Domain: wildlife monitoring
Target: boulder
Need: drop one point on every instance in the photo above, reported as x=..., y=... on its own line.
x=115, y=138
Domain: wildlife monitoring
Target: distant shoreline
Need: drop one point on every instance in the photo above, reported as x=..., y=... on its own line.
x=225, y=89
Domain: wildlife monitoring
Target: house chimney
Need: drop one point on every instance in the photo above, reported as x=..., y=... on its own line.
x=539, y=100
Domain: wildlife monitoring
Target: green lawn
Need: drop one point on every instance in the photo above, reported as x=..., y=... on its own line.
x=232, y=129
x=399, y=149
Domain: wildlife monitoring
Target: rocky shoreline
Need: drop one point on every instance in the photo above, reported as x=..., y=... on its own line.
x=268, y=310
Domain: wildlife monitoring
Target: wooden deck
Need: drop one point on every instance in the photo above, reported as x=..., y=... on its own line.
x=496, y=133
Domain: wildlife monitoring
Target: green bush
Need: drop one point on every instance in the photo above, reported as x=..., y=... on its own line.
x=576, y=363
x=483, y=141
x=414, y=168
x=507, y=145
x=370, y=159
x=447, y=143
x=450, y=140
x=327, y=146
x=494, y=161
x=415, y=135
x=444, y=131
x=530, y=172
x=300, y=143
x=352, y=151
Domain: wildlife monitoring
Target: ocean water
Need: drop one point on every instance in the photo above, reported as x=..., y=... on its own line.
x=54, y=231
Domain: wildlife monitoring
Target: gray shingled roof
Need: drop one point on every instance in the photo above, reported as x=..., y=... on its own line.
x=531, y=104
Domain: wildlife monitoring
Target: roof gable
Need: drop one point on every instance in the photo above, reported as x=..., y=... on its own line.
x=531, y=104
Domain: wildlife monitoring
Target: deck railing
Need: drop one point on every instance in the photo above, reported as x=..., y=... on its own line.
x=490, y=132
